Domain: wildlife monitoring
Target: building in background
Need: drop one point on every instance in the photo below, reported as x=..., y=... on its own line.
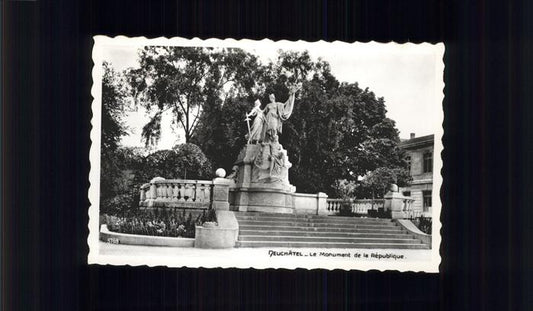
x=419, y=156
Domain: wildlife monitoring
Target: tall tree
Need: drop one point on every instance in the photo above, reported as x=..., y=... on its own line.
x=112, y=130
x=338, y=130
x=113, y=95
x=184, y=80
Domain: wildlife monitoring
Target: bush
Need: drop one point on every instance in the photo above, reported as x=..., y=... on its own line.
x=424, y=224
x=128, y=169
x=159, y=222
x=185, y=161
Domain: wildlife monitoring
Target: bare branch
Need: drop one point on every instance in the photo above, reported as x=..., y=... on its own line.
x=195, y=121
x=177, y=115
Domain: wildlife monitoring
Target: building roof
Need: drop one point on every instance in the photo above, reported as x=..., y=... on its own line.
x=418, y=142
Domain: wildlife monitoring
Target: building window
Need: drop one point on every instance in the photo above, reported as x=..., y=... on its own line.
x=428, y=162
x=407, y=193
x=427, y=200
x=408, y=160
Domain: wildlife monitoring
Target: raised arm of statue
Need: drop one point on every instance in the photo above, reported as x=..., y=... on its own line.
x=288, y=106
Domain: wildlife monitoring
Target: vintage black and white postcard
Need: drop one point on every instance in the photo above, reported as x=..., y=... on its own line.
x=263, y=154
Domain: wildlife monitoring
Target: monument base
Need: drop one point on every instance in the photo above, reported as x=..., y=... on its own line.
x=258, y=188
x=260, y=199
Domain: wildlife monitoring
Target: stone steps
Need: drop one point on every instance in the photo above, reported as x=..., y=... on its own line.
x=315, y=219
x=323, y=228
x=313, y=231
x=314, y=225
x=320, y=221
x=273, y=244
x=402, y=240
x=371, y=234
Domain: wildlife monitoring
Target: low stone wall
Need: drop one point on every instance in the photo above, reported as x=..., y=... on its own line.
x=305, y=203
x=223, y=235
x=136, y=239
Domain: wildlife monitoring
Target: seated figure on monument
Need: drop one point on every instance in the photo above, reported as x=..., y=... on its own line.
x=277, y=157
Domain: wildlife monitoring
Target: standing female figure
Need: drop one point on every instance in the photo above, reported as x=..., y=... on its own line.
x=257, y=126
x=275, y=114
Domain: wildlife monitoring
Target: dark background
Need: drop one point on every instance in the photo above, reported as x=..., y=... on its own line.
x=486, y=236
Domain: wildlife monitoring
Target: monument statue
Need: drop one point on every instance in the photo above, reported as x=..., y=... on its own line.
x=261, y=171
x=257, y=127
x=275, y=113
x=269, y=122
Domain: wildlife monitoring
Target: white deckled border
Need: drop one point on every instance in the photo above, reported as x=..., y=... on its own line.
x=258, y=258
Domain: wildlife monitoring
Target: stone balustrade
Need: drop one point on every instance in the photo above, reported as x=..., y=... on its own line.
x=334, y=206
x=363, y=206
x=357, y=206
x=181, y=193
x=400, y=206
x=410, y=213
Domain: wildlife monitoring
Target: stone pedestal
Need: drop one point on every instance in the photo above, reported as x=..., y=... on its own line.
x=221, y=193
x=397, y=204
x=322, y=204
x=262, y=180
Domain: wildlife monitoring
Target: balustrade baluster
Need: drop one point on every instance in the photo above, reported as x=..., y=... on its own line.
x=187, y=192
x=181, y=192
x=200, y=193
x=207, y=193
x=168, y=194
x=158, y=190
x=194, y=191
x=163, y=191
x=169, y=191
x=175, y=192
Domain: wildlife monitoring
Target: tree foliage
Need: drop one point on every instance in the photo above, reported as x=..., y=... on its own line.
x=112, y=129
x=185, y=161
x=113, y=96
x=183, y=80
x=337, y=131
x=377, y=183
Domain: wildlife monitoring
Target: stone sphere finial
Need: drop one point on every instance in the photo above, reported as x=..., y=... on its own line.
x=393, y=188
x=220, y=173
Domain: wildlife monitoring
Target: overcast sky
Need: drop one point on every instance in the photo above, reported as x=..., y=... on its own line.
x=409, y=78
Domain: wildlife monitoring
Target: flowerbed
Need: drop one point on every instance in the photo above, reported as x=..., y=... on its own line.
x=168, y=223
